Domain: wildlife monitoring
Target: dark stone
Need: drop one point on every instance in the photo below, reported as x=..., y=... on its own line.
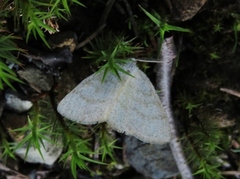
x=151, y=160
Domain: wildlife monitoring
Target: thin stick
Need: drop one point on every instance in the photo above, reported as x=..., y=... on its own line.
x=130, y=13
x=89, y=38
x=102, y=24
x=7, y=170
x=230, y=91
x=106, y=12
x=230, y=173
x=164, y=79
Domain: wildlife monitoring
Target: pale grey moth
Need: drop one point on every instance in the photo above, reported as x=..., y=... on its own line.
x=130, y=105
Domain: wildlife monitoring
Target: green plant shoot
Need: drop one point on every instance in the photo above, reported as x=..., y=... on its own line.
x=163, y=26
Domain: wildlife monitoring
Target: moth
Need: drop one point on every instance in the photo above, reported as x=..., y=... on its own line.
x=129, y=105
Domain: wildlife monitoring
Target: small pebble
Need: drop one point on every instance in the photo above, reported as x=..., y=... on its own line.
x=16, y=102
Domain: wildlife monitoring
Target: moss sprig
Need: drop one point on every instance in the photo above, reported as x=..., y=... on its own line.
x=112, y=51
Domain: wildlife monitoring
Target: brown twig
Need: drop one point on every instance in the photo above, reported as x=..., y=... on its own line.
x=230, y=173
x=102, y=24
x=17, y=174
x=230, y=91
x=106, y=12
x=88, y=39
x=130, y=13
